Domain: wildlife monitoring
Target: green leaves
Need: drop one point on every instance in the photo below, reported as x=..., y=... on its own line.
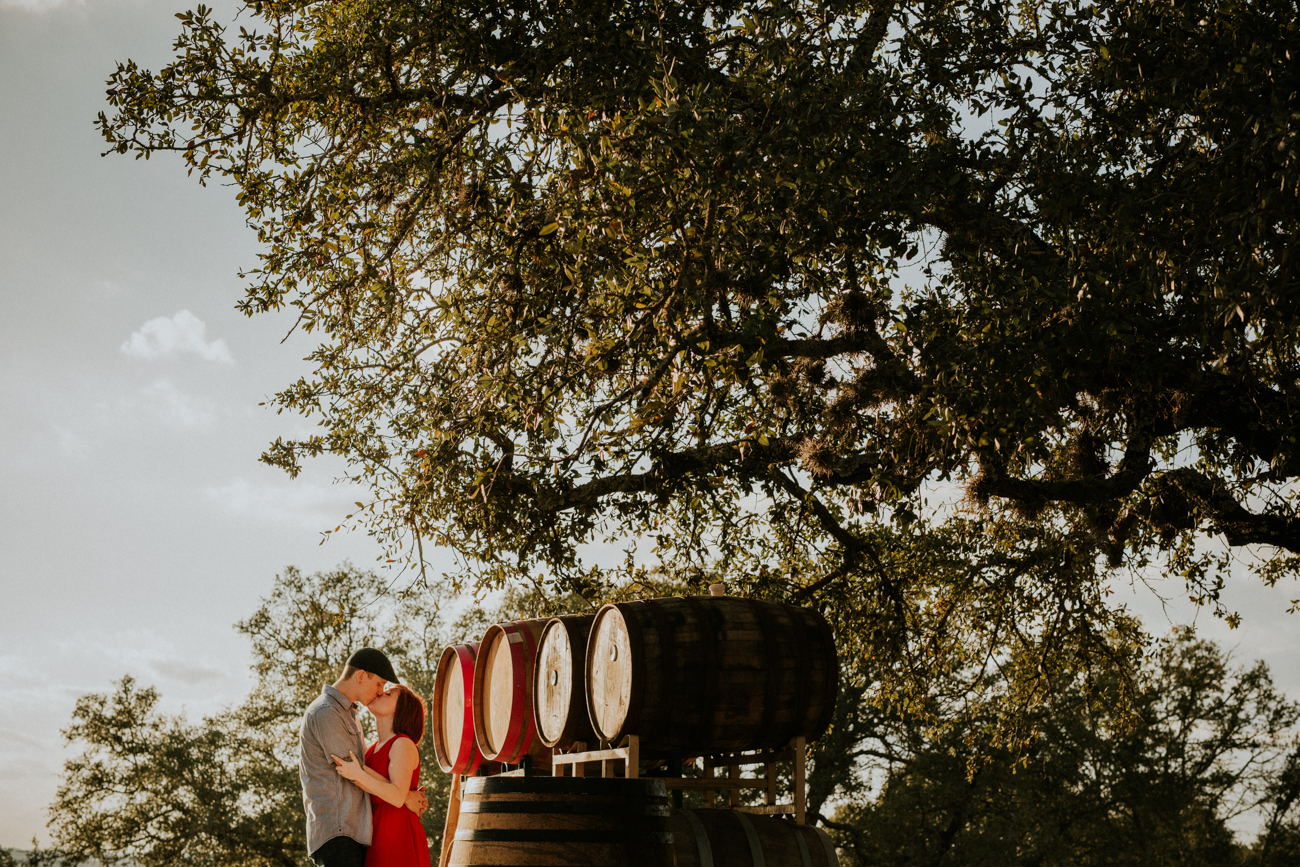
x=818, y=265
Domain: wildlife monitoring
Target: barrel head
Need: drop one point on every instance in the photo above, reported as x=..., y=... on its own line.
x=498, y=692
x=609, y=673
x=453, y=706
x=554, y=682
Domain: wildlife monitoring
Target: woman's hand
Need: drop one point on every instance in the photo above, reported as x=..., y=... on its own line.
x=403, y=759
x=349, y=768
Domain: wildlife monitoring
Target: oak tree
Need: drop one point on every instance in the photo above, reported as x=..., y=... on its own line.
x=931, y=314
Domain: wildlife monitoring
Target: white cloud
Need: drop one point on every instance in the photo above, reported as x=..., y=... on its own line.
x=151, y=658
x=186, y=673
x=176, y=408
x=300, y=503
x=182, y=334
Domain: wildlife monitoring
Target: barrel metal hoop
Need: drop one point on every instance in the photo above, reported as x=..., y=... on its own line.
x=755, y=847
x=574, y=725
x=524, y=692
x=772, y=656
x=636, y=671
x=581, y=808
x=832, y=860
x=709, y=639
x=468, y=756
x=804, y=856
x=668, y=660
x=542, y=835
x=514, y=743
x=805, y=675
x=702, y=845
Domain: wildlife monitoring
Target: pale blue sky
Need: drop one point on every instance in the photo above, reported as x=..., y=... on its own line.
x=135, y=524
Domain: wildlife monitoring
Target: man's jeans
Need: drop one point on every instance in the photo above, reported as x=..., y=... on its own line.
x=340, y=852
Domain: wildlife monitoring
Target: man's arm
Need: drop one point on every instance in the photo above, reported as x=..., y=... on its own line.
x=403, y=759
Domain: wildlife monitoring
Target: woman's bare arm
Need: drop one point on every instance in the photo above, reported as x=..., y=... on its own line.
x=403, y=758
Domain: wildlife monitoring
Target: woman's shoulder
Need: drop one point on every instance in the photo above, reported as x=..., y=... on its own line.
x=404, y=743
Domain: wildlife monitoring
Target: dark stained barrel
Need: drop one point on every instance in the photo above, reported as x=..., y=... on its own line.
x=730, y=838
x=503, y=692
x=563, y=822
x=453, y=713
x=559, y=683
x=692, y=675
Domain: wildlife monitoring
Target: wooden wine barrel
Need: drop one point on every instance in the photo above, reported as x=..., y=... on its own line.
x=453, y=711
x=559, y=692
x=702, y=674
x=503, y=692
x=730, y=838
x=563, y=822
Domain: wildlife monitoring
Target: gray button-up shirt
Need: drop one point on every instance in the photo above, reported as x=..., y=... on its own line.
x=335, y=806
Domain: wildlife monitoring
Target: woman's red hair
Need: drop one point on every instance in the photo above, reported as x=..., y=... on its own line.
x=408, y=719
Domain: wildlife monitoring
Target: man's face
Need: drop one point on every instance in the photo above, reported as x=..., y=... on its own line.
x=372, y=686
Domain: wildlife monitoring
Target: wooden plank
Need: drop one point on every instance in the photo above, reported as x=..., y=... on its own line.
x=453, y=820
x=590, y=756
x=800, y=781
x=722, y=759
x=708, y=778
x=628, y=753
x=718, y=783
x=632, y=759
x=766, y=809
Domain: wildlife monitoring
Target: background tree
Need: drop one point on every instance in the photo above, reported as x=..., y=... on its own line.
x=1213, y=742
x=154, y=789
x=770, y=287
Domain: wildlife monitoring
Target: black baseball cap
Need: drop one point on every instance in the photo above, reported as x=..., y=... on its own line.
x=373, y=661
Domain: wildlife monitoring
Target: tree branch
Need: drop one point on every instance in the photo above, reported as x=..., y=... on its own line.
x=1187, y=493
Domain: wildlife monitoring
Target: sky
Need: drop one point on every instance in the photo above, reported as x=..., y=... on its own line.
x=136, y=524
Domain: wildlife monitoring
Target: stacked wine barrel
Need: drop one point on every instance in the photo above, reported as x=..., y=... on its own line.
x=689, y=676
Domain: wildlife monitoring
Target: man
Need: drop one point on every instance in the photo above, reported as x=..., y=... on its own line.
x=338, y=812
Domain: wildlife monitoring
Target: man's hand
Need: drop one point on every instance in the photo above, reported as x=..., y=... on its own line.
x=416, y=801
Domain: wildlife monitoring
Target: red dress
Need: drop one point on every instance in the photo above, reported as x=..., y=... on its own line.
x=398, y=839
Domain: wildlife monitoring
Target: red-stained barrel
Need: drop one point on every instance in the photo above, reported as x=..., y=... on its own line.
x=453, y=711
x=503, y=693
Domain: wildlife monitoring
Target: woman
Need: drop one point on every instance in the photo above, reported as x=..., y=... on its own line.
x=392, y=769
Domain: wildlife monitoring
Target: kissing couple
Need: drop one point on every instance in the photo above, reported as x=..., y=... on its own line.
x=364, y=813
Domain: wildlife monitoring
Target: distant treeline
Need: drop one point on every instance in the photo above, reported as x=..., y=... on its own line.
x=38, y=857
x=1201, y=744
